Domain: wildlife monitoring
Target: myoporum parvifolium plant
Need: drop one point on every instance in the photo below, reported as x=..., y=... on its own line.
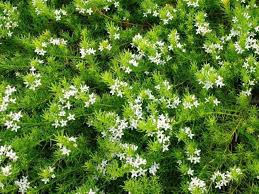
x=129, y=96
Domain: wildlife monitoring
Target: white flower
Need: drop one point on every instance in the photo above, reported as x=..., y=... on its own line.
x=45, y=180
x=65, y=151
x=91, y=192
x=219, y=82
x=190, y=172
x=6, y=170
x=71, y=117
x=63, y=123
x=153, y=169
x=116, y=36
x=197, y=185
x=247, y=92
x=23, y=184
x=216, y=102
x=89, y=11
x=56, y=124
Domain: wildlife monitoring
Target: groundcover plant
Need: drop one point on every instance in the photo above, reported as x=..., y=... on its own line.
x=129, y=96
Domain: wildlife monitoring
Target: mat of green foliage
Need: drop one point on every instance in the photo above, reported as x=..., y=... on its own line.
x=129, y=96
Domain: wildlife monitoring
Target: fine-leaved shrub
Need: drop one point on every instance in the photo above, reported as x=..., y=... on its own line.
x=129, y=96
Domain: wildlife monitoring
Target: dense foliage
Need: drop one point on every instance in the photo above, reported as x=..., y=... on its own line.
x=129, y=96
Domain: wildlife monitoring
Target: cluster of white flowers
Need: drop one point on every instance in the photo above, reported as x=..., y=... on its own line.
x=40, y=50
x=173, y=102
x=59, y=13
x=159, y=47
x=202, y=27
x=163, y=122
x=153, y=169
x=71, y=143
x=250, y=66
x=252, y=43
x=188, y=132
x=152, y=11
x=137, y=164
x=248, y=85
x=33, y=79
x=23, y=184
x=194, y=157
x=212, y=47
x=233, y=33
x=7, y=99
x=128, y=146
x=6, y=170
x=117, y=87
x=135, y=58
x=64, y=115
x=190, y=101
x=135, y=161
x=209, y=77
x=57, y=41
x=49, y=173
x=164, y=84
x=238, y=48
x=8, y=21
x=223, y=179
x=82, y=10
x=117, y=131
x=175, y=43
x=167, y=17
x=157, y=59
x=163, y=125
x=87, y=51
x=12, y=121
x=137, y=108
x=82, y=4
x=91, y=100
x=197, y=185
x=192, y=3
x=7, y=151
x=106, y=8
